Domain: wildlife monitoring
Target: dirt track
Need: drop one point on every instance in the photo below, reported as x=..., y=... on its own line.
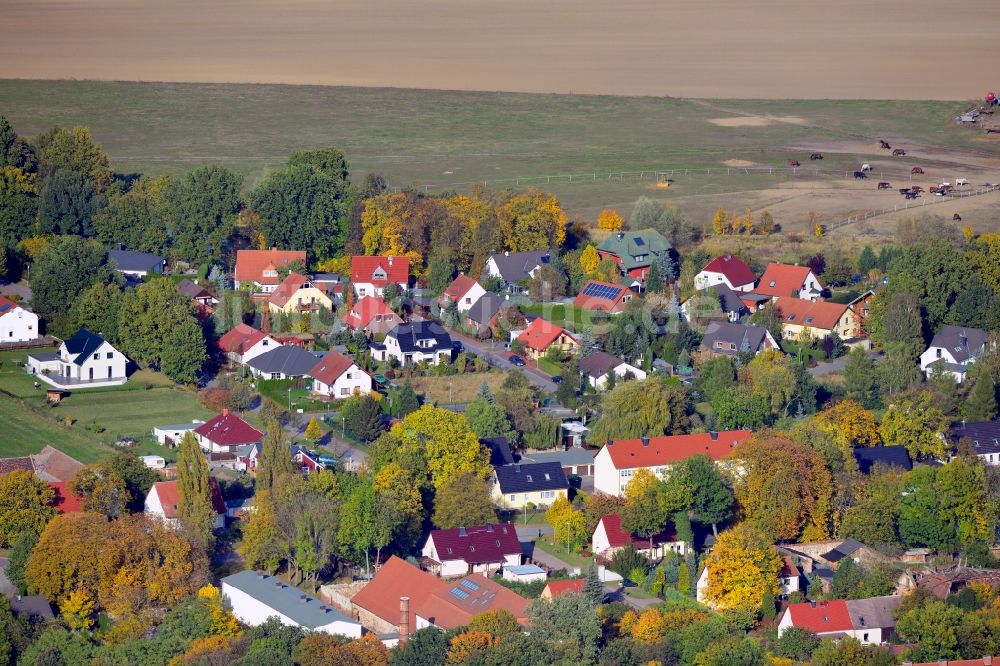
x=848, y=49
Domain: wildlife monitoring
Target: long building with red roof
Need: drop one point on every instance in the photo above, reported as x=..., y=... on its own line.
x=618, y=461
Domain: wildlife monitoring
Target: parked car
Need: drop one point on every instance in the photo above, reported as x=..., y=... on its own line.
x=457, y=347
x=557, y=379
x=516, y=360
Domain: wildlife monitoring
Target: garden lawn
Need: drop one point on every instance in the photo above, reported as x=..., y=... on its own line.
x=299, y=398
x=454, y=389
x=567, y=316
x=573, y=559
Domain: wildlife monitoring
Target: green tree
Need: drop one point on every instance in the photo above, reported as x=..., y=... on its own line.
x=593, y=588
x=161, y=330
x=641, y=408
x=195, y=510
x=102, y=489
x=18, y=203
x=919, y=521
x=439, y=272
x=733, y=652
x=736, y=408
x=982, y=404
x=202, y=207
x=68, y=203
x=568, y=621
x=364, y=418
x=137, y=219
x=866, y=260
x=25, y=505
x=898, y=370
x=711, y=500
x=796, y=643
x=648, y=508
x=487, y=419
x=407, y=400
x=934, y=629
x=717, y=374
x=463, y=501
x=850, y=652
x=275, y=456
x=97, y=310
x=961, y=490
x=137, y=477
x=654, y=280
x=329, y=161
x=768, y=317
x=17, y=560
x=860, y=380
x=15, y=151
x=918, y=424
x=366, y=524
x=63, y=271
x=74, y=150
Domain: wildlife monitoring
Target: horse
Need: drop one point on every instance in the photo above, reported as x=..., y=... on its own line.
x=899, y=152
x=793, y=163
x=911, y=195
x=866, y=167
x=956, y=217
x=885, y=144
x=885, y=186
x=816, y=156
x=916, y=188
x=905, y=190
x=916, y=170
x=860, y=175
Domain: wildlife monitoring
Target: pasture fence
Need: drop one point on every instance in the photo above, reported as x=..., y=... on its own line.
x=929, y=200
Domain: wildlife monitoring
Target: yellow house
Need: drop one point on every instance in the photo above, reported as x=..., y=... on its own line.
x=817, y=319
x=516, y=486
x=297, y=294
x=542, y=335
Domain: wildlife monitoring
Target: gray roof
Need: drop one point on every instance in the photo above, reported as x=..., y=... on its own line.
x=846, y=548
x=599, y=363
x=483, y=310
x=83, y=344
x=192, y=290
x=126, y=260
x=874, y=612
x=305, y=610
x=964, y=343
x=44, y=356
x=499, y=447
x=730, y=300
x=409, y=334
x=569, y=458
x=521, y=478
x=732, y=334
x=516, y=266
x=289, y=360
x=985, y=435
x=34, y=605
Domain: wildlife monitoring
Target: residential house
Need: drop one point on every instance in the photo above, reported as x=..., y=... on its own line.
x=372, y=315
x=86, y=360
x=474, y=549
x=541, y=335
x=730, y=302
x=598, y=296
x=64, y=499
x=985, y=438
x=244, y=343
x=337, y=376
x=284, y=362
x=726, y=270
x=598, y=366
x=499, y=448
x=307, y=461
x=52, y=465
x=618, y=460
x=868, y=458
x=254, y=597
x=171, y=435
x=16, y=323
x=789, y=577
x=871, y=621
x=556, y=588
x=403, y=598
x=817, y=319
x=257, y=270
x=463, y=292
x=226, y=431
x=197, y=293
x=416, y=342
x=371, y=275
x=788, y=281
x=298, y=294
x=136, y=264
x=486, y=315
x=515, y=486
x=861, y=306
x=576, y=461
x=515, y=268
x=634, y=252
x=728, y=339
x=953, y=350
x=164, y=496
x=609, y=537
x=754, y=302
x=822, y=558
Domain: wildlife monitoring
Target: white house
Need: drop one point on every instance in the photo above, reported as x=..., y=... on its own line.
x=244, y=343
x=728, y=270
x=598, y=366
x=255, y=596
x=164, y=496
x=618, y=461
x=513, y=268
x=86, y=360
x=463, y=292
x=871, y=621
x=476, y=549
x=16, y=323
x=337, y=376
x=789, y=576
x=171, y=435
x=786, y=280
x=136, y=264
x=371, y=275
x=609, y=537
x=953, y=349
x=226, y=432
x=413, y=343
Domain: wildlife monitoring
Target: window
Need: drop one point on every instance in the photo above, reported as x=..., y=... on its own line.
x=344, y=391
x=548, y=494
x=938, y=350
x=349, y=375
x=513, y=498
x=96, y=356
x=110, y=355
x=771, y=283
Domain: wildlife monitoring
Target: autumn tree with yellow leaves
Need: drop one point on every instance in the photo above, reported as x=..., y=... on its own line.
x=589, y=260
x=610, y=220
x=742, y=569
x=569, y=526
x=849, y=425
x=720, y=222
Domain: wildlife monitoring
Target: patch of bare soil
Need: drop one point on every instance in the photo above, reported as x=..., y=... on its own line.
x=756, y=121
x=739, y=163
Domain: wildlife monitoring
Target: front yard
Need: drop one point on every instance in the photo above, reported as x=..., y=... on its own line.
x=571, y=558
x=454, y=389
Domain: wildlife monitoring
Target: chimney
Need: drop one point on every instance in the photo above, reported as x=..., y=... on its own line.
x=517, y=467
x=987, y=660
x=610, y=441
x=404, y=619
x=621, y=235
x=390, y=260
x=645, y=441
x=714, y=435
x=462, y=532
x=225, y=411
x=260, y=575
x=506, y=253
x=274, y=249
x=812, y=604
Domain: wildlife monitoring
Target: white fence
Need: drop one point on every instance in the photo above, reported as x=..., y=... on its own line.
x=925, y=200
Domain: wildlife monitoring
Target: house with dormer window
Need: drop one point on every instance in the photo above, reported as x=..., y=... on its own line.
x=413, y=343
x=953, y=350
x=258, y=270
x=86, y=360
x=516, y=486
x=371, y=275
x=787, y=281
x=634, y=252
x=473, y=549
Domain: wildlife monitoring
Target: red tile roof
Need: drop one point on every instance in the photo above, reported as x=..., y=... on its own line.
x=980, y=661
x=618, y=537
x=788, y=568
x=170, y=496
x=8, y=465
x=463, y=599
x=557, y=587
x=821, y=314
x=240, y=339
x=478, y=544
x=287, y=289
x=65, y=500
x=592, y=302
x=396, y=578
x=786, y=278
x=397, y=269
x=227, y=429
x=821, y=617
x=459, y=287
x=251, y=264
x=540, y=334
x=6, y=305
x=667, y=449
x=734, y=268
x=330, y=368
x=364, y=311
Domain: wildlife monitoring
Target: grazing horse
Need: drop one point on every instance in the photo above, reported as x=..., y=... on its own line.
x=916, y=170
x=899, y=152
x=905, y=190
x=885, y=186
x=916, y=188
x=911, y=195
x=816, y=156
x=956, y=217
x=860, y=175
x=993, y=130
x=885, y=144
x=793, y=163
x=866, y=167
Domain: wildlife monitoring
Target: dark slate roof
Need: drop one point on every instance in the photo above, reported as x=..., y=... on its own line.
x=34, y=605
x=126, y=260
x=730, y=300
x=985, y=435
x=305, y=610
x=515, y=266
x=192, y=290
x=847, y=547
x=83, y=344
x=500, y=453
x=409, y=334
x=599, y=363
x=529, y=478
x=890, y=456
x=963, y=342
x=483, y=310
x=736, y=334
x=286, y=359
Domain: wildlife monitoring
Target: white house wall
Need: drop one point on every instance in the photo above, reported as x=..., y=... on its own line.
x=18, y=325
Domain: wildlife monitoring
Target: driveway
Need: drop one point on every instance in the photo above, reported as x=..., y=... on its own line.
x=543, y=558
x=498, y=356
x=837, y=365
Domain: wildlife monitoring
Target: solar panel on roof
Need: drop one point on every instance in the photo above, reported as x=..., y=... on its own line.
x=4, y=307
x=639, y=241
x=602, y=291
x=461, y=594
x=469, y=584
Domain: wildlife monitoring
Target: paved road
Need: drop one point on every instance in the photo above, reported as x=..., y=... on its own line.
x=497, y=355
x=837, y=365
x=531, y=532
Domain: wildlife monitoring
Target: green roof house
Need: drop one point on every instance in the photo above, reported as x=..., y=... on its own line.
x=634, y=251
